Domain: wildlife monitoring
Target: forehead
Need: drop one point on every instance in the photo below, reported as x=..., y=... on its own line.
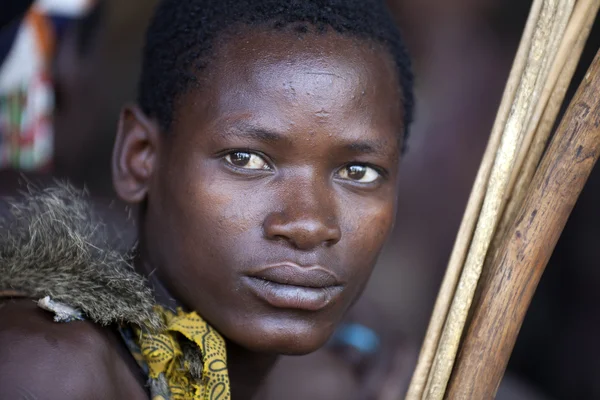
x=310, y=79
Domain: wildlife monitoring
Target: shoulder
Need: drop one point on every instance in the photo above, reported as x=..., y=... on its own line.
x=42, y=359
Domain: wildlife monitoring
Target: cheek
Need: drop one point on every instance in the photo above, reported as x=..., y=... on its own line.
x=368, y=230
x=217, y=210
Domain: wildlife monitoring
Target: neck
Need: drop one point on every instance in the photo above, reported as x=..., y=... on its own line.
x=247, y=369
x=161, y=293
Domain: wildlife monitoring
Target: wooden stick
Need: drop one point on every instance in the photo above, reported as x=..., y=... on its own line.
x=506, y=295
x=467, y=227
x=544, y=46
x=544, y=118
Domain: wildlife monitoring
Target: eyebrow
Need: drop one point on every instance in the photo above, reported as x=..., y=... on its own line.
x=367, y=147
x=247, y=131
x=253, y=132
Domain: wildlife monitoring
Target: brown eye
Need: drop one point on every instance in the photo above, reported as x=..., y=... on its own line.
x=244, y=159
x=359, y=173
x=239, y=159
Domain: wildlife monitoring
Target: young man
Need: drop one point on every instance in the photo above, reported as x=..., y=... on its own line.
x=263, y=155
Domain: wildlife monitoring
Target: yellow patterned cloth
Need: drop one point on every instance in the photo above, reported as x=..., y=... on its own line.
x=162, y=353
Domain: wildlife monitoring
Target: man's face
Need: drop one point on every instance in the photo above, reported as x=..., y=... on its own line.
x=275, y=188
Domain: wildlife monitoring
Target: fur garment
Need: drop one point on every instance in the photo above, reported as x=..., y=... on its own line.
x=53, y=244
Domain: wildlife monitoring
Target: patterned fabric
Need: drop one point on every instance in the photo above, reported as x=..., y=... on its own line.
x=26, y=97
x=162, y=358
x=161, y=355
x=26, y=89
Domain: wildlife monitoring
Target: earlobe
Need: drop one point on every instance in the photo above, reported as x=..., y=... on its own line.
x=135, y=154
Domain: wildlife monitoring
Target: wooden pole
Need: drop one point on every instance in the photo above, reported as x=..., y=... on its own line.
x=545, y=62
x=507, y=290
x=467, y=227
x=547, y=37
x=545, y=115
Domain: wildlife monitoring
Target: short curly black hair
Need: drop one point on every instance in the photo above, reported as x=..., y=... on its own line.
x=182, y=33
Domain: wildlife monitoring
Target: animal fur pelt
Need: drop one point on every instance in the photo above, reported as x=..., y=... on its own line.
x=53, y=244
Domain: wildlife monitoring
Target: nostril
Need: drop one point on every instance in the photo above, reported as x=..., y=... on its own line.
x=273, y=226
x=302, y=233
x=279, y=238
x=335, y=236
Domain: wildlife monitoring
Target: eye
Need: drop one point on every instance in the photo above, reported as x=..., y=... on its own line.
x=246, y=160
x=359, y=173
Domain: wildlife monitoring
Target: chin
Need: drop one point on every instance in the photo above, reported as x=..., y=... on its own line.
x=284, y=337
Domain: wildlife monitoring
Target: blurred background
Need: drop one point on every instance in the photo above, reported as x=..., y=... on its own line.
x=67, y=67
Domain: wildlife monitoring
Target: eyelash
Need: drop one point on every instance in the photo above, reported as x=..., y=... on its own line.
x=267, y=160
x=380, y=171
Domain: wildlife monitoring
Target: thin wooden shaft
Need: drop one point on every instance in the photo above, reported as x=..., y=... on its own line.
x=465, y=233
x=560, y=48
x=507, y=291
x=530, y=87
x=545, y=115
x=566, y=50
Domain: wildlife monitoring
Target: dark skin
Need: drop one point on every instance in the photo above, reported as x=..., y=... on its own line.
x=286, y=153
x=40, y=359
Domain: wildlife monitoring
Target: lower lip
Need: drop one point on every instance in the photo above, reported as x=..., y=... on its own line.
x=293, y=297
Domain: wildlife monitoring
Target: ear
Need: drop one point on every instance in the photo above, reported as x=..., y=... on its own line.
x=135, y=154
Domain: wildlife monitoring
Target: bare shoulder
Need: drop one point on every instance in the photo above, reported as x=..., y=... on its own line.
x=41, y=359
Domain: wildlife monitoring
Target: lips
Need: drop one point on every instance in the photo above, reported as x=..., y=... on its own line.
x=290, y=286
x=295, y=275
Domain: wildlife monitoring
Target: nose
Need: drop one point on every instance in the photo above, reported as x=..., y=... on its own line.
x=308, y=219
